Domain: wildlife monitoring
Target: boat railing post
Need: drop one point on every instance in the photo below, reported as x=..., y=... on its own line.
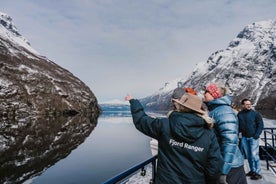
x=272, y=138
x=266, y=150
x=153, y=170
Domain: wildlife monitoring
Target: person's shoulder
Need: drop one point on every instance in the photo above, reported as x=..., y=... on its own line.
x=225, y=109
x=253, y=111
x=176, y=114
x=240, y=112
x=173, y=113
x=257, y=113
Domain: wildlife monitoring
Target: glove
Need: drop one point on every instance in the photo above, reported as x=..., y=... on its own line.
x=222, y=179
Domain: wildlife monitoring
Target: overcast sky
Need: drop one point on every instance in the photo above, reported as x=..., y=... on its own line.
x=132, y=46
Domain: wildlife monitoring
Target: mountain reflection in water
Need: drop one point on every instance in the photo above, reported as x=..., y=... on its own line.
x=30, y=146
x=113, y=146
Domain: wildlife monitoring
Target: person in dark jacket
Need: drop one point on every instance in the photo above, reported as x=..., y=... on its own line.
x=188, y=151
x=251, y=126
x=226, y=129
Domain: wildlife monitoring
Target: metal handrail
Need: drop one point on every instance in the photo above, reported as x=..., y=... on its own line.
x=135, y=168
x=269, y=140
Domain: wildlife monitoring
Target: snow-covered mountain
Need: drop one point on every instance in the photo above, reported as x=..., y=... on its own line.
x=9, y=32
x=32, y=86
x=247, y=67
x=160, y=99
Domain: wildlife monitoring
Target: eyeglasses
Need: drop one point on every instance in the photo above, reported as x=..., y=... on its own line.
x=247, y=104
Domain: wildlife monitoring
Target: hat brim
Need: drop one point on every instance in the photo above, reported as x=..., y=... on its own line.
x=196, y=110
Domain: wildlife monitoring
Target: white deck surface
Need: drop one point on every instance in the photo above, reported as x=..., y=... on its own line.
x=268, y=176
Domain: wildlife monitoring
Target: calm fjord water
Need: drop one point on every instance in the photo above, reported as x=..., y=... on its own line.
x=112, y=147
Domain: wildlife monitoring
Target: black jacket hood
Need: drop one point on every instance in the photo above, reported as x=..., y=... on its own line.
x=186, y=127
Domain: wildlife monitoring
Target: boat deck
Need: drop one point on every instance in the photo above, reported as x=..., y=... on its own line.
x=268, y=137
x=268, y=176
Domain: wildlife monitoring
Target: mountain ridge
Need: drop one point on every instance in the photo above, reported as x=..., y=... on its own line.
x=33, y=84
x=9, y=31
x=39, y=101
x=246, y=67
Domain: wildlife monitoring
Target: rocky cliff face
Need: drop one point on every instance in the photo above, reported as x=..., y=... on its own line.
x=34, y=93
x=247, y=67
x=30, y=84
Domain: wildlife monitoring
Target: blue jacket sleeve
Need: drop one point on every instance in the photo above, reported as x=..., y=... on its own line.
x=148, y=125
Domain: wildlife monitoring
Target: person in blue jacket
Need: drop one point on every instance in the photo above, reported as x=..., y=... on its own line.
x=226, y=129
x=188, y=151
x=251, y=125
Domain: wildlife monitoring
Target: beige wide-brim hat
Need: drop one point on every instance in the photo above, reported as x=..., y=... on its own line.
x=192, y=102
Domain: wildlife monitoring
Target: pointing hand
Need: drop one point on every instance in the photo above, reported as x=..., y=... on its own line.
x=128, y=97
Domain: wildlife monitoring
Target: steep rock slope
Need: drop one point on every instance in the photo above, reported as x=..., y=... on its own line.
x=247, y=67
x=34, y=92
x=32, y=84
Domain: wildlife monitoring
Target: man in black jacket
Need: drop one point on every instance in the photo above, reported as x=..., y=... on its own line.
x=251, y=126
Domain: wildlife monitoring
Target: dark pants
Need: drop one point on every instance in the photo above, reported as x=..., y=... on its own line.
x=236, y=176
